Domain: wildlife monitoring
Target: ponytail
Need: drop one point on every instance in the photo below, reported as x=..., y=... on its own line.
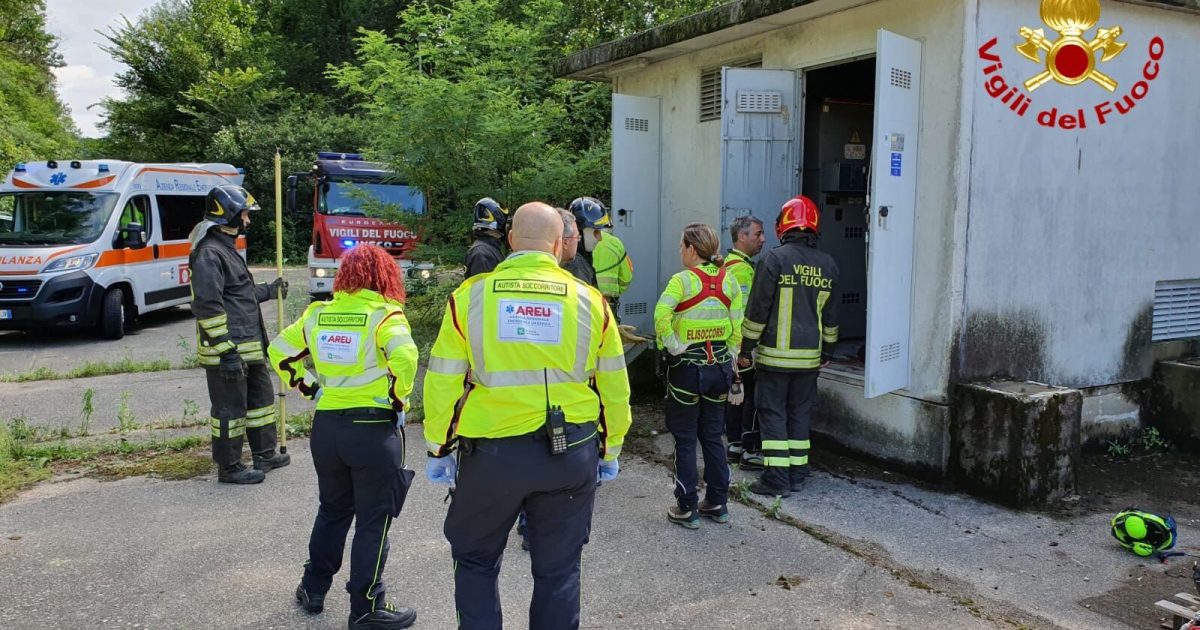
x=704, y=240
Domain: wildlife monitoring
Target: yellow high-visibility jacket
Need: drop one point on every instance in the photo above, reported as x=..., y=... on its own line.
x=614, y=268
x=527, y=332
x=360, y=346
x=683, y=317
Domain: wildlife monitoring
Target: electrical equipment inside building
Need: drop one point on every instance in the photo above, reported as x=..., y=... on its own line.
x=839, y=116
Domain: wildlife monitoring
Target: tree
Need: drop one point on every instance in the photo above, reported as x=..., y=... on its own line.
x=33, y=121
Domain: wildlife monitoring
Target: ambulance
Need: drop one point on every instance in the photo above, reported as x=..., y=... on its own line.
x=96, y=243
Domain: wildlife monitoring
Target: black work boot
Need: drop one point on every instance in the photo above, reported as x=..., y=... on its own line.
x=271, y=460
x=239, y=474
x=310, y=602
x=774, y=482
x=262, y=444
x=386, y=617
x=227, y=453
x=798, y=477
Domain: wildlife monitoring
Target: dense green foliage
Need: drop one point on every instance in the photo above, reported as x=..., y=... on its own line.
x=33, y=122
x=456, y=94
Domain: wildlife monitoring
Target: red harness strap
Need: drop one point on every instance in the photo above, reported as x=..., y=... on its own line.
x=710, y=287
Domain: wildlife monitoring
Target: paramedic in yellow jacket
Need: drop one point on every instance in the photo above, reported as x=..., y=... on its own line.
x=527, y=387
x=610, y=259
x=698, y=321
x=365, y=361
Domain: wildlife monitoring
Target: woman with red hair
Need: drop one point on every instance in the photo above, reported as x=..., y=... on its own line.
x=365, y=362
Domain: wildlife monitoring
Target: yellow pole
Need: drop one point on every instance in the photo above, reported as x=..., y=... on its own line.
x=279, y=296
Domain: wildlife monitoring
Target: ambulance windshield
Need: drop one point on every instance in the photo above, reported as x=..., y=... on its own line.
x=359, y=199
x=53, y=217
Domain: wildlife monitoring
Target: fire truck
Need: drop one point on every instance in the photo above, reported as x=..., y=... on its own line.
x=344, y=187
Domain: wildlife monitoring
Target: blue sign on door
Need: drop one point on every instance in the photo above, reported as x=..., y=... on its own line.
x=896, y=165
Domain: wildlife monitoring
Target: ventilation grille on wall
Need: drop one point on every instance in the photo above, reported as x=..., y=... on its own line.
x=1176, y=310
x=902, y=78
x=710, y=86
x=851, y=298
x=890, y=352
x=759, y=101
x=636, y=308
x=637, y=124
x=855, y=232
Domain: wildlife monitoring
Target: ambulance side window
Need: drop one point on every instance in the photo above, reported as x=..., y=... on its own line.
x=137, y=210
x=179, y=214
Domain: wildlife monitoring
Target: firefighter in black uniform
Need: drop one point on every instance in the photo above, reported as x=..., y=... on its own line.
x=232, y=338
x=792, y=319
x=487, y=250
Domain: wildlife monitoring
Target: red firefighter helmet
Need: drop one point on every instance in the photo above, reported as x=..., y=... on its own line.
x=799, y=213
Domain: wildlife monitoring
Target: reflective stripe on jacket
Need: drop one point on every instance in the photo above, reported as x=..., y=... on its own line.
x=614, y=268
x=360, y=347
x=792, y=311
x=509, y=340
x=225, y=301
x=710, y=320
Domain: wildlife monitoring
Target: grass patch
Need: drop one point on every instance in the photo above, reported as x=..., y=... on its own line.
x=16, y=476
x=166, y=465
x=90, y=369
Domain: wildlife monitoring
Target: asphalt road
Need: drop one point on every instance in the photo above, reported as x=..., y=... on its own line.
x=142, y=553
x=167, y=334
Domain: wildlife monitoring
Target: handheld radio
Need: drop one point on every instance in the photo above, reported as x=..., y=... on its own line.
x=556, y=422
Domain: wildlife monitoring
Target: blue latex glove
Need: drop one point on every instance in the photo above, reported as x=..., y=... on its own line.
x=609, y=469
x=442, y=470
x=400, y=419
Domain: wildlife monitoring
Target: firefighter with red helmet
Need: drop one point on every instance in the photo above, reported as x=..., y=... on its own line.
x=790, y=327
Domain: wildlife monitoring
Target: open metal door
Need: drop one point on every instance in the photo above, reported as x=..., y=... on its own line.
x=635, y=202
x=759, y=157
x=893, y=209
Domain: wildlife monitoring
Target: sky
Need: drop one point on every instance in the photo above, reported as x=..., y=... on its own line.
x=89, y=72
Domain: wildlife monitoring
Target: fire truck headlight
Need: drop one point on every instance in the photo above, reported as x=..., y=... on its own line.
x=322, y=272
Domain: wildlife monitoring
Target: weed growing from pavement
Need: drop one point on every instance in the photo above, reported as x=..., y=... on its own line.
x=89, y=369
x=1147, y=440
x=86, y=412
x=190, y=360
x=125, y=419
x=190, y=411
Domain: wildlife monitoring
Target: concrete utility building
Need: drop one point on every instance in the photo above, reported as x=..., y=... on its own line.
x=1008, y=187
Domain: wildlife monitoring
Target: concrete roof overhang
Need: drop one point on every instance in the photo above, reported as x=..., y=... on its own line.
x=720, y=25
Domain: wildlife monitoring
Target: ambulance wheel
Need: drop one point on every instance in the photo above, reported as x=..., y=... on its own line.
x=112, y=314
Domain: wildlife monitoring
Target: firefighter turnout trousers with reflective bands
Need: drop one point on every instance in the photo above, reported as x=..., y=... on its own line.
x=359, y=457
x=785, y=402
x=242, y=407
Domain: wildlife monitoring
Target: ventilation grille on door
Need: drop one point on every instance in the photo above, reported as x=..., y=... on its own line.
x=902, y=78
x=855, y=232
x=710, y=86
x=759, y=101
x=890, y=352
x=851, y=298
x=636, y=308
x=1176, y=310
x=637, y=124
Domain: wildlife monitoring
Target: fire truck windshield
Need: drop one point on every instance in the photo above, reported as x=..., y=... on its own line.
x=355, y=198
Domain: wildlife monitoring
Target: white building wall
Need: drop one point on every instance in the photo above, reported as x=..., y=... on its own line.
x=691, y=160
x=1070, y=229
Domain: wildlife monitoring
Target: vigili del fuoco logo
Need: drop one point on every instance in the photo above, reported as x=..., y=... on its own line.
x=1070, y=57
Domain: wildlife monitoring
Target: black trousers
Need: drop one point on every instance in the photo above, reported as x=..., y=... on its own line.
x=696, y=411
x=497, y=478
x=741, y=423
x=359, y=457
x=241, y=407
x=785, y=402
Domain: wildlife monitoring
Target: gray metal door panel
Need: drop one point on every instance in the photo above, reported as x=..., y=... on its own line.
x=759, y=157
x=636, y=201
x=893, y=210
